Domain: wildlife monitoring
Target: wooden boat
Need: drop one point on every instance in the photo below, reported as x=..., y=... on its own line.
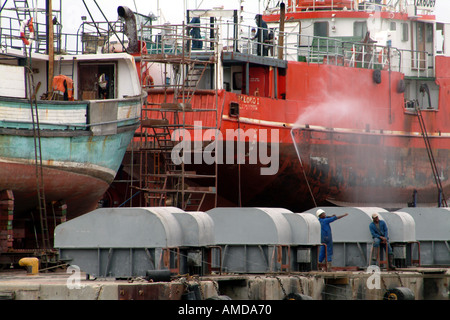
x=62, y=135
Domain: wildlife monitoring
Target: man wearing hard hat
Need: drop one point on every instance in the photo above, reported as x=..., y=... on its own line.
x=326, y=236
x=379, y=231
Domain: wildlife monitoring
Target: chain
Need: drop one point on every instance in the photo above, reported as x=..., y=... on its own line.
x=384, y=283
x=281, y=285
x=399, y=279
x=196, y=279
x=216, y=286
x=300, y=284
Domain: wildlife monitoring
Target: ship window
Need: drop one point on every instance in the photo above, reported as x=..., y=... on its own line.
x=429, y=32
x=237, y=81
x=405, y=32
x=439, y=38
x=234, y=109
x=359, y=29
x=393, y=26
x=321, y=29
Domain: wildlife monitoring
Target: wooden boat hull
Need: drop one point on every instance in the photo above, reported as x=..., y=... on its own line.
x=79, y=159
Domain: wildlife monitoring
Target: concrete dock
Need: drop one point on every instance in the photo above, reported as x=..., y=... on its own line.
x=420, y=283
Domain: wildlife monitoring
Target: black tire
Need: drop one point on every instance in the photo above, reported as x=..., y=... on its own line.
x=297, y=296
x=401, y=87
x=400, y=293
x=221, y=297
x=376, y=76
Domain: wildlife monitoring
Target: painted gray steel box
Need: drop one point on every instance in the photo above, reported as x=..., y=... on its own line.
x=127, y=242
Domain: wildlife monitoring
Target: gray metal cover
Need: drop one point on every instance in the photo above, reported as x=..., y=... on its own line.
x=355, y=226
x=126, y=242
x=433, y=233
x=401, y=226
x=251, y=226
x=305, y=228
x=197, y=228
x=352, y=240
x=431, y=223
x=154, y=227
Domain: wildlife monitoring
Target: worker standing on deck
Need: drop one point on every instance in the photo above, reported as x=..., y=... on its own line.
x=262, y=36
x=379, y=231
x=326, y=235
x=195, y=33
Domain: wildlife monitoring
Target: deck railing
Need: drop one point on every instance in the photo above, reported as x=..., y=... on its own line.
x=232, y=37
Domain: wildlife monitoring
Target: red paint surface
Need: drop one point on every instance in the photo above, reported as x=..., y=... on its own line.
x=330, y=97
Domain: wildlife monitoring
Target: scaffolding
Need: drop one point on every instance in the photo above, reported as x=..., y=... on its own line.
x=172, y=113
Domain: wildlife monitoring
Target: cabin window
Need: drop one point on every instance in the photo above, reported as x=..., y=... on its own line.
x=359, y=29
x=392, y=26
x=429, y=33
x=237, y=80
x=234, y=109
x=439, y=38
x=97, y=81
x=321, y=29
x=405, y=32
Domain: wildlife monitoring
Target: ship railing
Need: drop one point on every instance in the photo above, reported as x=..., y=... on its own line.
x=417, y=64
x=313, y=49
x=10, y=35
x=336, y=5
x=91, y=37
x=179, y=39
x=345, y=51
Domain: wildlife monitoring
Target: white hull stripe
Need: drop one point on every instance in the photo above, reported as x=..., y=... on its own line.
x=63, y=165
x=285, y=125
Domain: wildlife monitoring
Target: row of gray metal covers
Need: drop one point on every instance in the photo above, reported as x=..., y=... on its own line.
x=128, y=242
x=258, y=240
x=417, y=235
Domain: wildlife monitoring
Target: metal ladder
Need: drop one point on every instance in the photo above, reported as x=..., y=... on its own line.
x=431, y=157
x=38, y=161
x=22, y=10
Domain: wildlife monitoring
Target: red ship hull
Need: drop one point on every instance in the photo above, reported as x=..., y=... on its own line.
x=358, y=144
x=352, y=125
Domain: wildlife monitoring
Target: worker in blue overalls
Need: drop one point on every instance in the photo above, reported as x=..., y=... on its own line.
x=326, y=236
x=379, y=231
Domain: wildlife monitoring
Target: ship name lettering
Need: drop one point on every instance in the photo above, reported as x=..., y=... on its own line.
x=249, y=100
x=425, y=3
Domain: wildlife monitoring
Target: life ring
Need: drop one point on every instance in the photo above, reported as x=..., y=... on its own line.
x=383, y=59
x=23, y=25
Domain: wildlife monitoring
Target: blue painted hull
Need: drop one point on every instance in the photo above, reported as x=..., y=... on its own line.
x=79, y=160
